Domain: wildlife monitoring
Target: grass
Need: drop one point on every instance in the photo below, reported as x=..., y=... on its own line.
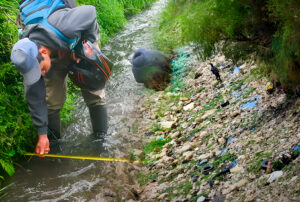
x=254, y=166
x=165, y=105
x=145, y=178
x=154, y=144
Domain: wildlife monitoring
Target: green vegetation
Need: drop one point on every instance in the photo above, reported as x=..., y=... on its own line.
x=155, y=144
x=254, y=167
x=145, y=178
x=267, y=30
x=182, y=189
x=17, y=133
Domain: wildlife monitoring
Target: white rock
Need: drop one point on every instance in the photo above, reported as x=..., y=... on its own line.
x=189, y=107
x=204, y=156
x=185, y=147
x=274, y=176
x=201, y=199
x=294, y=178
x=167, y=124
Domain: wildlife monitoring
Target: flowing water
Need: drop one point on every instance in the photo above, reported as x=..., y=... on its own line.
x=53, y=179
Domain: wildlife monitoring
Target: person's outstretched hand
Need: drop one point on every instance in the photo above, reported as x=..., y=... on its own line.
x=42, y=146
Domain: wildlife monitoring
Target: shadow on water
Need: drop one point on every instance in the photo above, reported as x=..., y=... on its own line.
x=53, y=179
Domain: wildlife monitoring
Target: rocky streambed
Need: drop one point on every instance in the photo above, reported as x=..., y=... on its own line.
x=212, y=141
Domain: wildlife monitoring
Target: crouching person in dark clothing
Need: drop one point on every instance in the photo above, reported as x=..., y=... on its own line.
x=215, y=71
x=152, y=68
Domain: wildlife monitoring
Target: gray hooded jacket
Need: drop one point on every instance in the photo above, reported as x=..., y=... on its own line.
x=77, y=22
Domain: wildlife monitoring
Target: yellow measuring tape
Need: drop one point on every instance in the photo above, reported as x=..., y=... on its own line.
x=83, y=157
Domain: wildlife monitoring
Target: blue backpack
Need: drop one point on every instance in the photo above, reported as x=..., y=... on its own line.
x=38, y=11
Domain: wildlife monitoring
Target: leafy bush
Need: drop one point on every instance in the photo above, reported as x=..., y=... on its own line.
x=16, y=131
x=268, y=29
x=134, y=6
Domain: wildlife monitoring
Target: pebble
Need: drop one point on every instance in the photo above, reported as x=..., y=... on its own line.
x=201, y=199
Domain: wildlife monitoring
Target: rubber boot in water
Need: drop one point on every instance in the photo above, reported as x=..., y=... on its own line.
x=54, y=130
x=99, y=120
x=53, y=124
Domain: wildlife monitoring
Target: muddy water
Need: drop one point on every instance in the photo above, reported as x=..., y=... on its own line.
x=51, y=179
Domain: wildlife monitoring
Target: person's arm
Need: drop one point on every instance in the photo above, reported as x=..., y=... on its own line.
x=36, y=99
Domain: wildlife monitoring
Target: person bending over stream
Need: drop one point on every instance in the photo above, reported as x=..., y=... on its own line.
x=60, y=39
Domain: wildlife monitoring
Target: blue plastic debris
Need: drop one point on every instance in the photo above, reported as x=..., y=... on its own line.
x=229, y=140
x=297, y=148
x=236, y=95
x=202, y=162
x=224, y=150
x=236, y=69
x=248, y=105
x=233, y=164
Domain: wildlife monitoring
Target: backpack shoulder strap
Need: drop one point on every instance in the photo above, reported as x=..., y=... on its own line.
x=37, y=11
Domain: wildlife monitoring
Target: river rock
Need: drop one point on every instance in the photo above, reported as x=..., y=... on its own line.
x=221, y=141
x=188, y=155
x=204, y=156
x=234, y=114
x=175, y=135
x=187, y=146
x=167, y=124
x=202, y=134
x=274, y=176
x=189, y=107
x=208, y=113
